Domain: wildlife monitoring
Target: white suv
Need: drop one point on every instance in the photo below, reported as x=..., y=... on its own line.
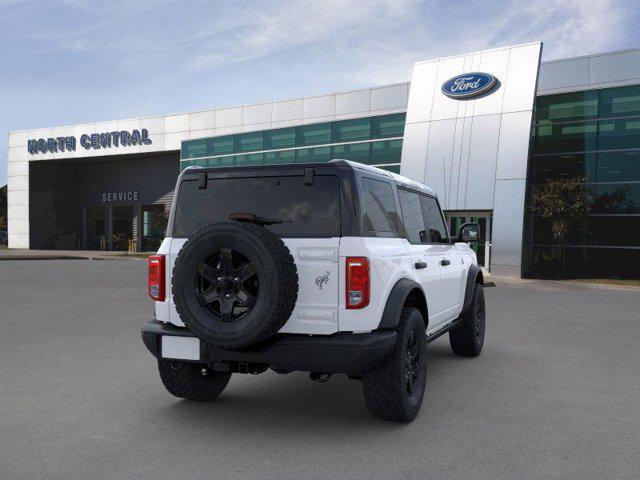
x=327, y=268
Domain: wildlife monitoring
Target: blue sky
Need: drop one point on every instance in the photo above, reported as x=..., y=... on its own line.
x=73, y=61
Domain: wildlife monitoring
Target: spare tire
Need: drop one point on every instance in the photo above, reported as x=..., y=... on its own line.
x=234, y=284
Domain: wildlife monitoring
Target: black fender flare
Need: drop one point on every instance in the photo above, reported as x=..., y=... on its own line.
x=474, y=276
x=396, y=301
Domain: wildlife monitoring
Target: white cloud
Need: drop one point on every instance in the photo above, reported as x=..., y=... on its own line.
x=377, y=39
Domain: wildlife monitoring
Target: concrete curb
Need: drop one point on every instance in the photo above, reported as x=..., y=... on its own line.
x=563, y=283
x=71, y=257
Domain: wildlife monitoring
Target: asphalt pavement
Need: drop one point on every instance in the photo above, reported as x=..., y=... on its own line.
x=555, y=393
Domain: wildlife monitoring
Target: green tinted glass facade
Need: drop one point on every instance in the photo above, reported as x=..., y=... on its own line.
x=593, y=136
x=371, y=140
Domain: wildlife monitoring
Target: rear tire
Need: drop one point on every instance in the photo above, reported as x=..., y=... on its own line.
x=193, y=381
x=234, y=284
x=394, y=389
x=467, y=337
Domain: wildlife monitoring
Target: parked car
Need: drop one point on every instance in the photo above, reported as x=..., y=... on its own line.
x=328, y=268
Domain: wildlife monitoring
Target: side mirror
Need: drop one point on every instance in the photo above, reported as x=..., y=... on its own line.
x=469, y=232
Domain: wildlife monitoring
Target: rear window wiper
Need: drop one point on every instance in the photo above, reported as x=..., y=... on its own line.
x=253, y=218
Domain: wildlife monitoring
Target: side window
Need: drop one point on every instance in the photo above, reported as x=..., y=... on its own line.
x=435, y=222
x=380, y=215
x=412, y=216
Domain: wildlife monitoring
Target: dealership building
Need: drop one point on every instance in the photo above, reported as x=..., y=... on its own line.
x=486, y=130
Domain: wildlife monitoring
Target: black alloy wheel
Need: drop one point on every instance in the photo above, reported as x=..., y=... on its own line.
x=227, y=284
x=234, y=284
x=394, y=389
x=412, y=363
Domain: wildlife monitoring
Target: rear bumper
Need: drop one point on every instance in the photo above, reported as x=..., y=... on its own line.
x=348, y=353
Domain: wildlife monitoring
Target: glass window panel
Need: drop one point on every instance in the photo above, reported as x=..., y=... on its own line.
x=549, y=167
x=194, y=148
x=220, y=145
x=356, y=152
x=616, y=134
x=392, y=168
x=248, y=142
x=320, y=154
x=602, y=230
x=612, y=230
x=154, y=225
x=313, y=134
x=387, y=126
x=618, y=167
x=620, y=102
x=380, y=215
x=225, y=161
x=584, y=262
x=566, y=138
x=220, y=161
x=435, y=222
x=620, y=198
x=351, y=130
x=192, y=163
x=285, y=156
x=280, y=138
x=249, y=159
x=566, y=107
x=388, y=151
x=412, y=216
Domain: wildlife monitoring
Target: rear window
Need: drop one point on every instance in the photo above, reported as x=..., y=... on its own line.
x=306, y=210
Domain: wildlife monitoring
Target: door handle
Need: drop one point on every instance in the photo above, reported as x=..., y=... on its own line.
x=445, y=261
x=419, y=265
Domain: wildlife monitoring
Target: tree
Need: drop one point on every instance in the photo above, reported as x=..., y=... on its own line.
x=565, y=204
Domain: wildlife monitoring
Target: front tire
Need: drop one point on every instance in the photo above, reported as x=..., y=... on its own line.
x=193, y=381
x=467, y=337
x=394, y=389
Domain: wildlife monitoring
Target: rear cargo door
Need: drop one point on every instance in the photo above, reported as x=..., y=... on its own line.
x=316, y=310
x=304, y=212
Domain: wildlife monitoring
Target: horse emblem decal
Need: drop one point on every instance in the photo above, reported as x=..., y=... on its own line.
x=322, y=279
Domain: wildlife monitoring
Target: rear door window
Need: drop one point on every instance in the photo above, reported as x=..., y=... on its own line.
x=305, y=210
x=435, y=222
x=380, y=214
x=412, y=216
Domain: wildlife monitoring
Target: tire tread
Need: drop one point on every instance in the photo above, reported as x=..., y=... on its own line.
x=383, y=386
x=462, y=337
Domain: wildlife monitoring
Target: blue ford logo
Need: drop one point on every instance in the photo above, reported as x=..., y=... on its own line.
x=469, y=85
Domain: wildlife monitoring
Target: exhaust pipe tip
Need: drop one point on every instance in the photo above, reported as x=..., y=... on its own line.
x=319, y=377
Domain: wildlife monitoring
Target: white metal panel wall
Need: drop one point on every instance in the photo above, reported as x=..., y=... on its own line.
x=603, y=70
x=473, y=152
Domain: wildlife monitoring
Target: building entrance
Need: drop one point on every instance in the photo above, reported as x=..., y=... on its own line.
x=483, y=246
x=124, y=227
x=96, y=228
x=121, y=227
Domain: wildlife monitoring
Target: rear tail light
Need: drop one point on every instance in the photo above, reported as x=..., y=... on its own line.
x=156, y=277
x=357, y=282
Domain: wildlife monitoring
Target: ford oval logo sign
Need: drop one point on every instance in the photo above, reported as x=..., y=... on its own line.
x=469, y=85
